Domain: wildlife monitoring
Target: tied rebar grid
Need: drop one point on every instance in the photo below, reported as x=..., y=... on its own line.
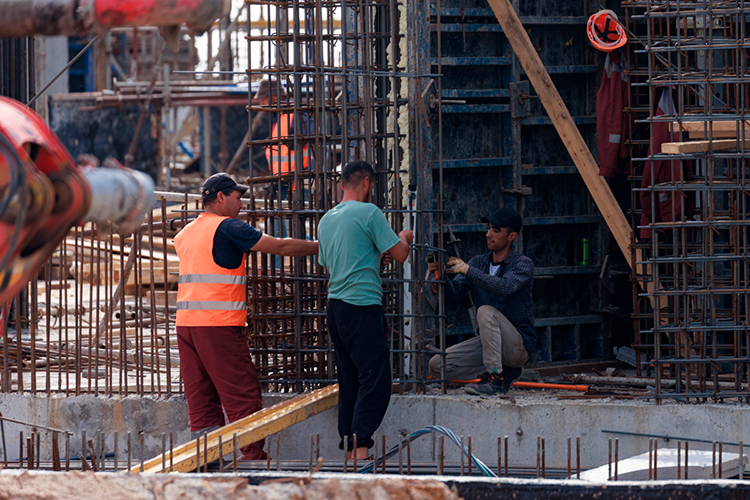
x=342, y=80
x=86, y=325
x=345, y=69
x=692, y=289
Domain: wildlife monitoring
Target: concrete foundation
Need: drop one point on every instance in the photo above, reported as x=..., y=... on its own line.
x=527, y=418
x=92, y=414
x=484, y=419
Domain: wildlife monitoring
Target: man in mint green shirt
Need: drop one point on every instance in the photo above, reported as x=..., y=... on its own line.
x=353, y=236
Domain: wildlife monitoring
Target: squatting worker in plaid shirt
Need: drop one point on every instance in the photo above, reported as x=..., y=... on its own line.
x=501, y=282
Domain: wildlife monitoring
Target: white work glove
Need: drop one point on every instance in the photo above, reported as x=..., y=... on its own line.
x=457, y=266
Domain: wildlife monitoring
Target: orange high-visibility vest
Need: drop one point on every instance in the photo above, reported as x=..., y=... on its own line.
x=207, y=294
x=281, y=159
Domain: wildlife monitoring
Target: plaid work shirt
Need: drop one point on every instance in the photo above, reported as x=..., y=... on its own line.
x=509, y=291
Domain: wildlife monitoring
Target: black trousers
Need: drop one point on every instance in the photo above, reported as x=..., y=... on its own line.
x=364, y=370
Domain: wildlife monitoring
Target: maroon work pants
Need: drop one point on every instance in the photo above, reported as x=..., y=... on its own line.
x=217, y=371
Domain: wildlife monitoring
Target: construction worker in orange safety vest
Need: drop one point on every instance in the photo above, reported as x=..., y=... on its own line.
x=218, y=373
x=280, y=155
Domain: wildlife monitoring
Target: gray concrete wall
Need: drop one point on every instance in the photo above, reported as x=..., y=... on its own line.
x=482, y=419
x=93, y=414
x=487, y=419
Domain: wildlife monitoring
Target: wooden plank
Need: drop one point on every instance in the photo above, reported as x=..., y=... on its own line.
x=700, y=135
x=563, y=122
x=88, y=249
x=159, y=299
x=158, y=242
x=719, y=130
x=88, y=272
x=249, y=430
x=678, y=148
x=172, y=211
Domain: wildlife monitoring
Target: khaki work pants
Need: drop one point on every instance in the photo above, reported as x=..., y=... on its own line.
x=498, y=344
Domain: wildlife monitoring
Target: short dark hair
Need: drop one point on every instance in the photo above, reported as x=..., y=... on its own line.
x=210, y=198
x=354, y=173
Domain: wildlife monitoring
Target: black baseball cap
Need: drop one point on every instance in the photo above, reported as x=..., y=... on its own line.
x=505, y=217
x=220, y=182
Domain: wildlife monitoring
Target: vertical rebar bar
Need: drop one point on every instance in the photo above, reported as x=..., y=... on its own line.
x=354, y=454
x=441, y=456
x=408, y=456
x=384, y=454
x=742, y=461
x=617, y=458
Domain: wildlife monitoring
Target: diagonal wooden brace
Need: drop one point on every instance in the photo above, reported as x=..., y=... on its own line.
x=571, y=137
x=563, y=123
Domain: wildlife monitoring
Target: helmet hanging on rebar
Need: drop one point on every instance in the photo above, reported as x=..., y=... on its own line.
x=605, y=31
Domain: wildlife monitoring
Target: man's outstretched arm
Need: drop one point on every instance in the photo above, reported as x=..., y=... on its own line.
x=286, y=246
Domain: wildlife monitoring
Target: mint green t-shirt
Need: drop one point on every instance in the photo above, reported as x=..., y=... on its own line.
x=352, y=236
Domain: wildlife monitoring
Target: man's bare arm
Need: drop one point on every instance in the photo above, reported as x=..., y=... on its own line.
x=400, y=251
x=286, y=246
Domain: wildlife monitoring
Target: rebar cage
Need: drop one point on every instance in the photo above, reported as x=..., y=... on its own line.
x=688, y=73
x=339, y=87
x=98, y=321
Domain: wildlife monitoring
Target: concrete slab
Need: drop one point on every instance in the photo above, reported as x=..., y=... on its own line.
x=700, y=466
x=529, y=415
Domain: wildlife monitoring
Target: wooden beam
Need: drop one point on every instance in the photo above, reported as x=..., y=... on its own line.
x=677, y=148
x=249, y=430
x=563, y=122
x=719, y=130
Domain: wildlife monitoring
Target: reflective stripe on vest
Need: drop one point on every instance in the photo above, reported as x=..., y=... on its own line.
x=207, y=294
x=213, y=278
x=282, y=159
x=211, y=305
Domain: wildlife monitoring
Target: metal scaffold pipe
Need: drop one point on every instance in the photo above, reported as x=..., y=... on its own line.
x=93, y=17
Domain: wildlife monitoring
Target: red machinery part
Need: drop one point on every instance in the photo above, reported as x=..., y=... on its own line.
x=94, y=17
x=199, y=13
x=43, y=193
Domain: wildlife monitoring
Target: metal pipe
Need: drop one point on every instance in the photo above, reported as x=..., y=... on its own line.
x=121, y=196
x=95, y=17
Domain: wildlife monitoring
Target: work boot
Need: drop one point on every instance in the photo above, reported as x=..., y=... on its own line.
x=509, y=376
x=488, y=385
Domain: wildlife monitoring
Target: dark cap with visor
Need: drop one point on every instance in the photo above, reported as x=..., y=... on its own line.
x=220, y=182
x=504, y=217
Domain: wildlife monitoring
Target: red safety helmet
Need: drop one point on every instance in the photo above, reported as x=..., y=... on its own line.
x=605, y=31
